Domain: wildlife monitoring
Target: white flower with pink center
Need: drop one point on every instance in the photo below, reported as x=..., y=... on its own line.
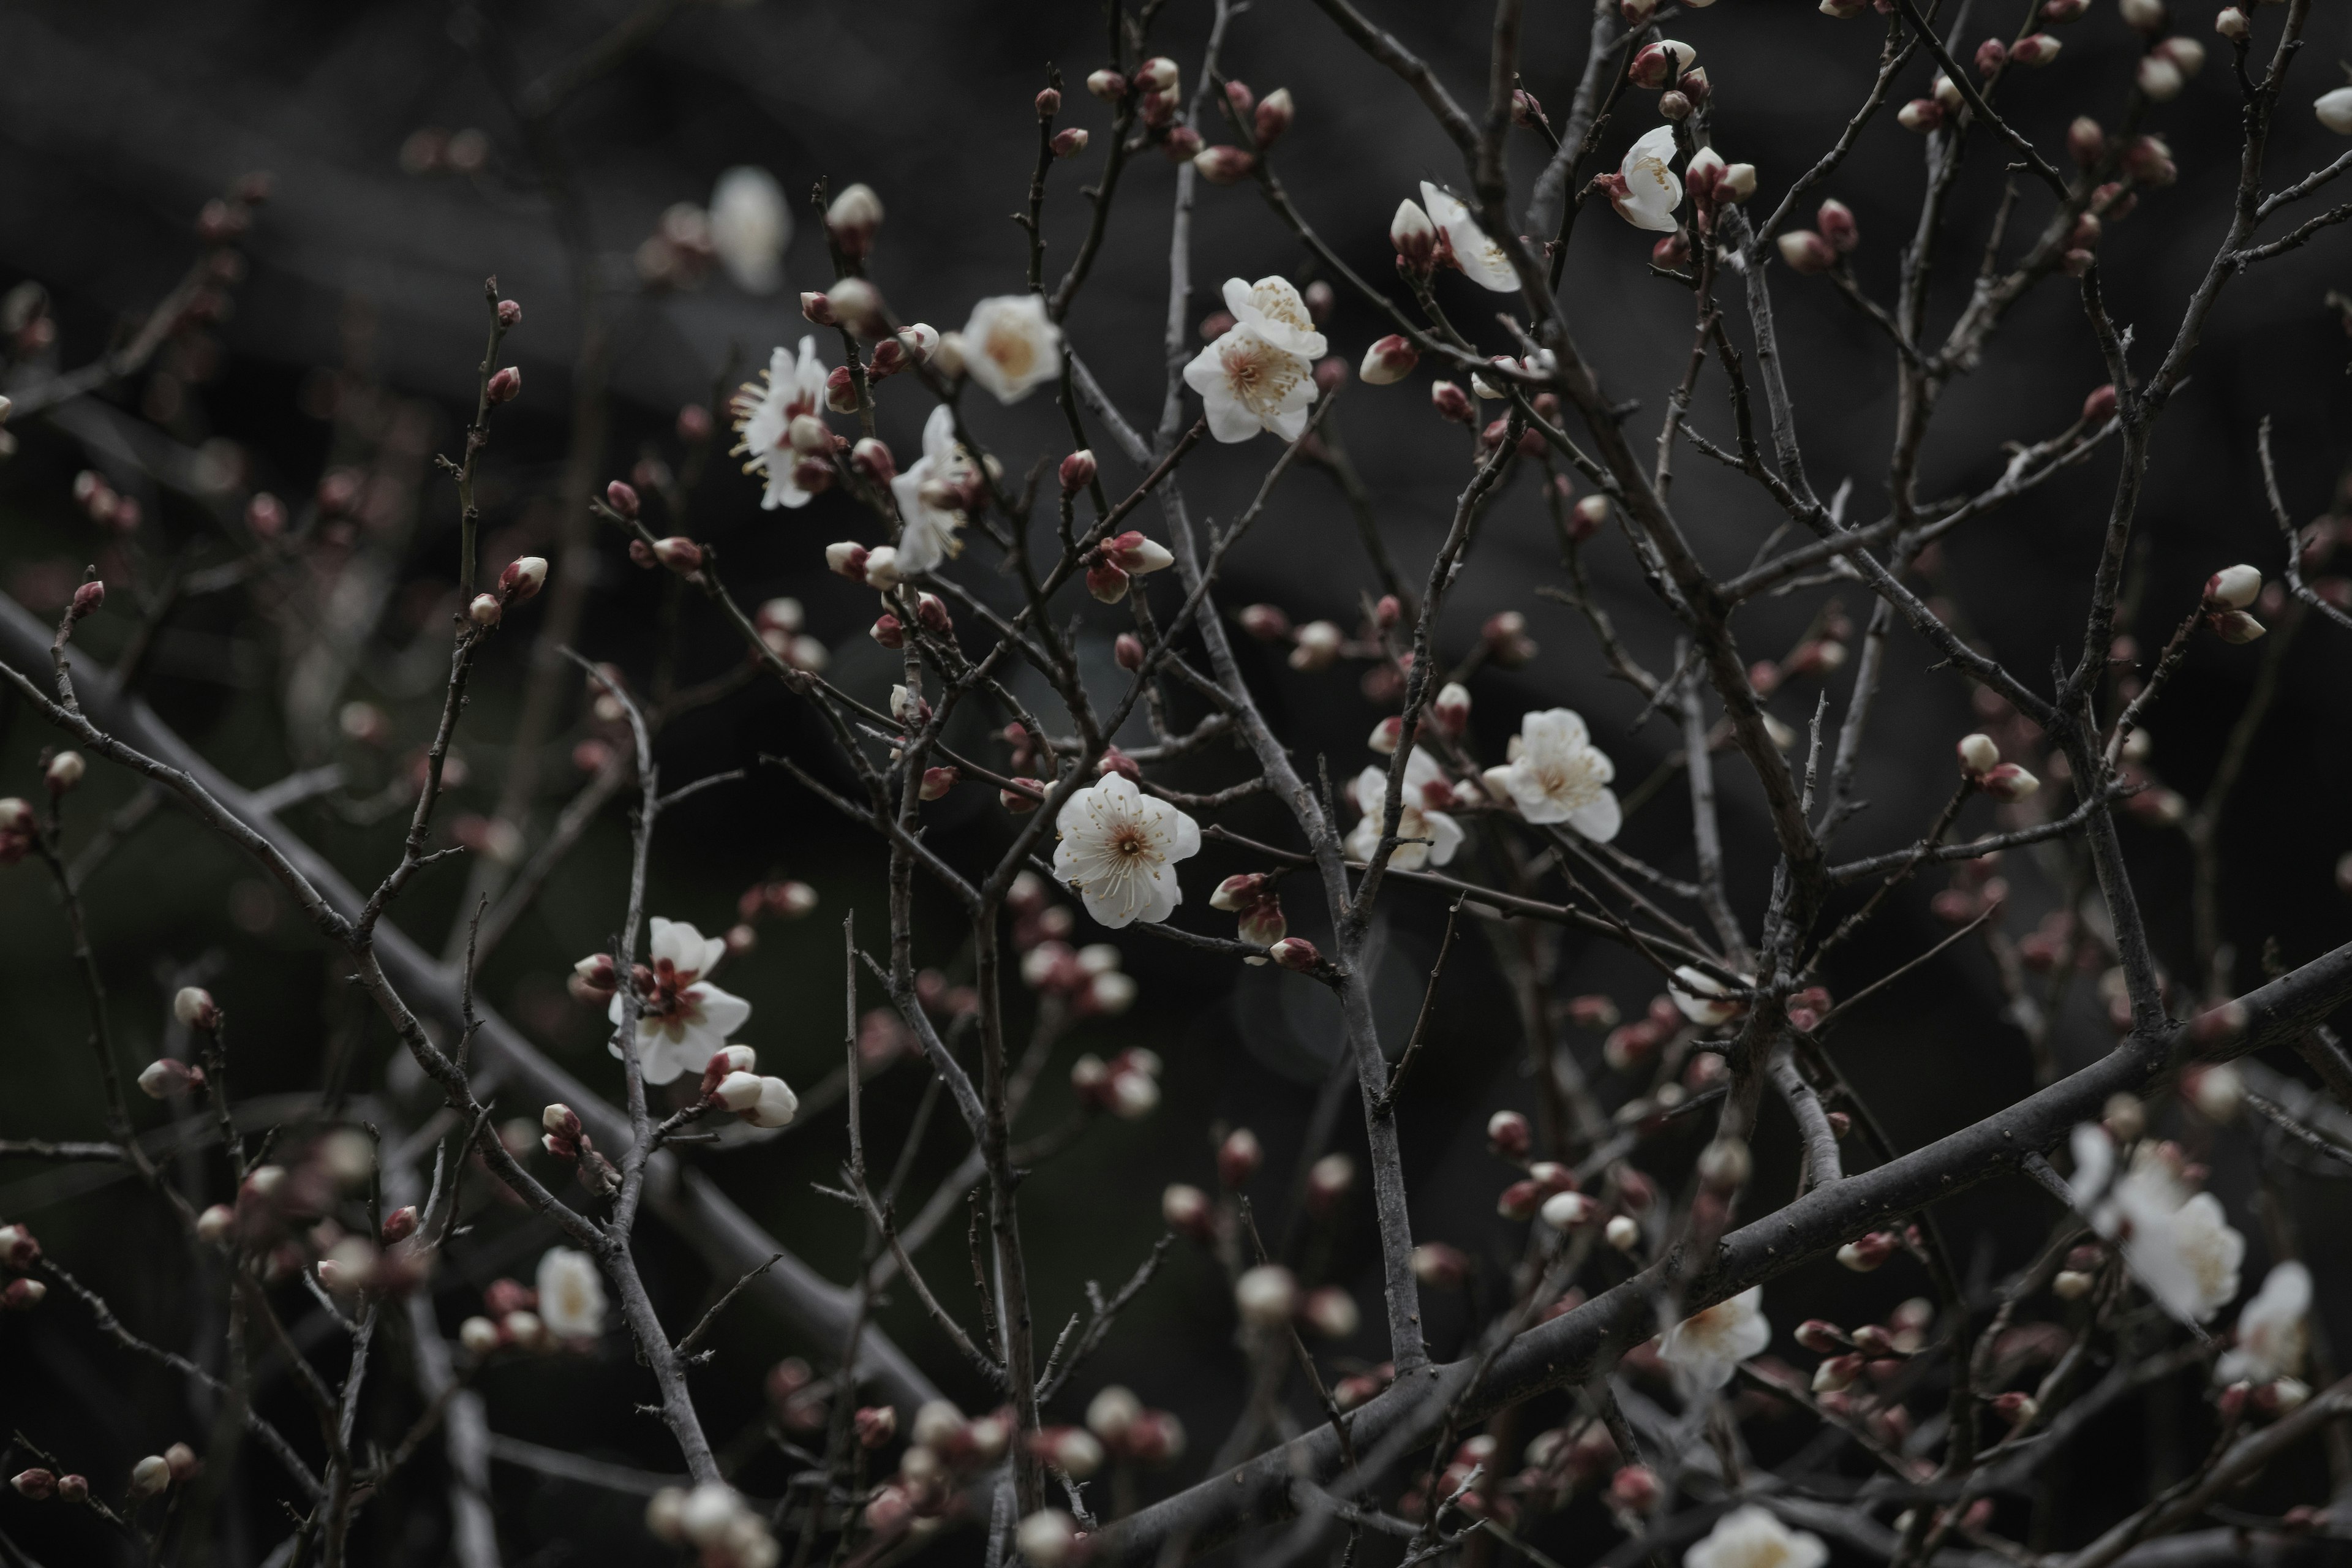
x=764, y=412
x=1118, y=851
x=1426, y=794
x=683, y=1020
x=1557, y=774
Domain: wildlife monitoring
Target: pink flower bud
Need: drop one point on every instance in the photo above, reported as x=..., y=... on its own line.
x=623, y=498
x=510, y=314
x=1634, y=1489
x=164, y=1078
x=1186, y=1210
x=1275, y=113
x=1438, y=1265
x=1868, y=1251
x=1070, y=141
x=400, y=1225
x=2009, y=782
x=1837, y=225
x=264, y=515
x=2035, y=49
x=872, y=460
x=22, y=1295
x=73, y=1488
x=1106, y=85
x=1508, y=1135
x=2237, y=626
x=1021, y=804
x=2100, y=405
x=64, y=773
x=561, y=1120
x=847, y=558
x=937, y=782
x=2086, y=144
x=1703, y=174
x=1296, y=953
x=18, y=1250
x=1127, y=651
x=484, y=610
x=522, y=578
x=817, y=309
x=1049, y=103
x=1238, y=1158
x=1262, y=922
x=1392, y=359
x=1659, y=63
x=87, y=598
x=38, y=1485
x=1806, y=252
x=1450, y=401
x=1414, y=236
x=2064, y=11
x=2149, y=159
x=2233, y=588
x=1106, y=581
x=1267, y=623
x=1224, y=166
x=1133, y=553
x=1077, y=471
x=1451, y=708
x=1991, y=55
x=680, y=554
x=1157, y=74
x=1921, y=114
x=506, y=386
x=1674, y=106
x=851, y=220
x=2015, y=1407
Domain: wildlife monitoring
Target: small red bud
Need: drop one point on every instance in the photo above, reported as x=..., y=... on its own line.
x=505, y=387
x=622, y=498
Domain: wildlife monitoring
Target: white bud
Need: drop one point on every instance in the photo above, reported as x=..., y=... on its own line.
x=214, y=1223
x=1624, y=1233
x=1266, y=1296
x=1046, y=1537
x=1111, y=1412
x=2159, y=79
x=2334, y=111
x=66, y=770
x=882, y=567
x=1565, y=1211
x=194, y=1007
x=478, y=1335
x=1978, y=754
x=2070, y=1285
x=2234, y=586
x=711, y=1507
x=777, y=1104
x=149, y=1476
x=2219, y=1092
x=739, y=1091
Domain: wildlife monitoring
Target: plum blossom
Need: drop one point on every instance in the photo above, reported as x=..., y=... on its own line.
x=1012, y=346
x=749, y=226
x=1751, y=1537
x=570, y=1294
x=1557, y=774
x=764, y=412
x=684, y=1020
x=2177, y=1242
x=1260, y=375
x=1118, y=851
x=928, y=537
x=1703, y=1348
x=1702, y=999
x=1467, y=246
x=2273, y=1328
x=1645, y=190
x=1426, y=791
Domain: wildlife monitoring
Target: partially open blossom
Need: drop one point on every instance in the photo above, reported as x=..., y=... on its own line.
x=1421, y=816
x=1012, y=345
x=1645, y=190
x=1465, y=247
x=793, y=388
x=2273, y=1329
x=1414, y=236
x=1703, y=1349
x=1702, y=999
x=943, y=472
x=1656, y=64
x=2178, y=1241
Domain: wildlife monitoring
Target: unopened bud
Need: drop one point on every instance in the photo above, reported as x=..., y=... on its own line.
x=1807, y=252
x=164, y=1078
x=1921, y=115
x=1127, y=649
x=851, y=220
x=1450, y=401
x=484, y=610
x=1267, y=623
x=1266, y=1296
x=856, y=303
x=1390, y=360
x=2035, y=49
x=1835, y=220
x=937, y=782
x=1725, y=1163
x=1274, y=112
x=2099, y=406
x=1021, y=802
x=2233, y=588
x=1867, y=1252
x=1296, y=953
x=1508, y=1135
x=680, y=554
x=1077, y=471
x=88, y=599
x=1978, y=755
x=2009, y=782
x=1106, y=85
x=149, y=1476
x=523, y=578
x=1238, y=1158
x=1414, y=236
x=505, y=387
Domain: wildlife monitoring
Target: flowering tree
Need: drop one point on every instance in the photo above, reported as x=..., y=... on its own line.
x=1637, y=1317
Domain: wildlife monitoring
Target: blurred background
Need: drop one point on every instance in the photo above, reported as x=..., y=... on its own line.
x=418, y=147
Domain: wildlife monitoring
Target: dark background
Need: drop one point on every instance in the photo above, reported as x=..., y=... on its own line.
x=363, y=310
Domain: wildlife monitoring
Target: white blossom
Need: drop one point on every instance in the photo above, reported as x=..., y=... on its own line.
x=570, y=1294
x=684, y=1020
x=2178, y=1243
x=1702, y=1349
x=2334, y=111
x=2273, y=1328
x=1558, y=775
x=1704, y=1000
x=1118, y=851
x=928, y=537
x=749, y=227
x=1010, y=345
x=1482, y=260
x=1751, y=1537
x=1425, y=788
x=764, y=412
x=1278, y=313
x=1259, y=375
x=1652, y=192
